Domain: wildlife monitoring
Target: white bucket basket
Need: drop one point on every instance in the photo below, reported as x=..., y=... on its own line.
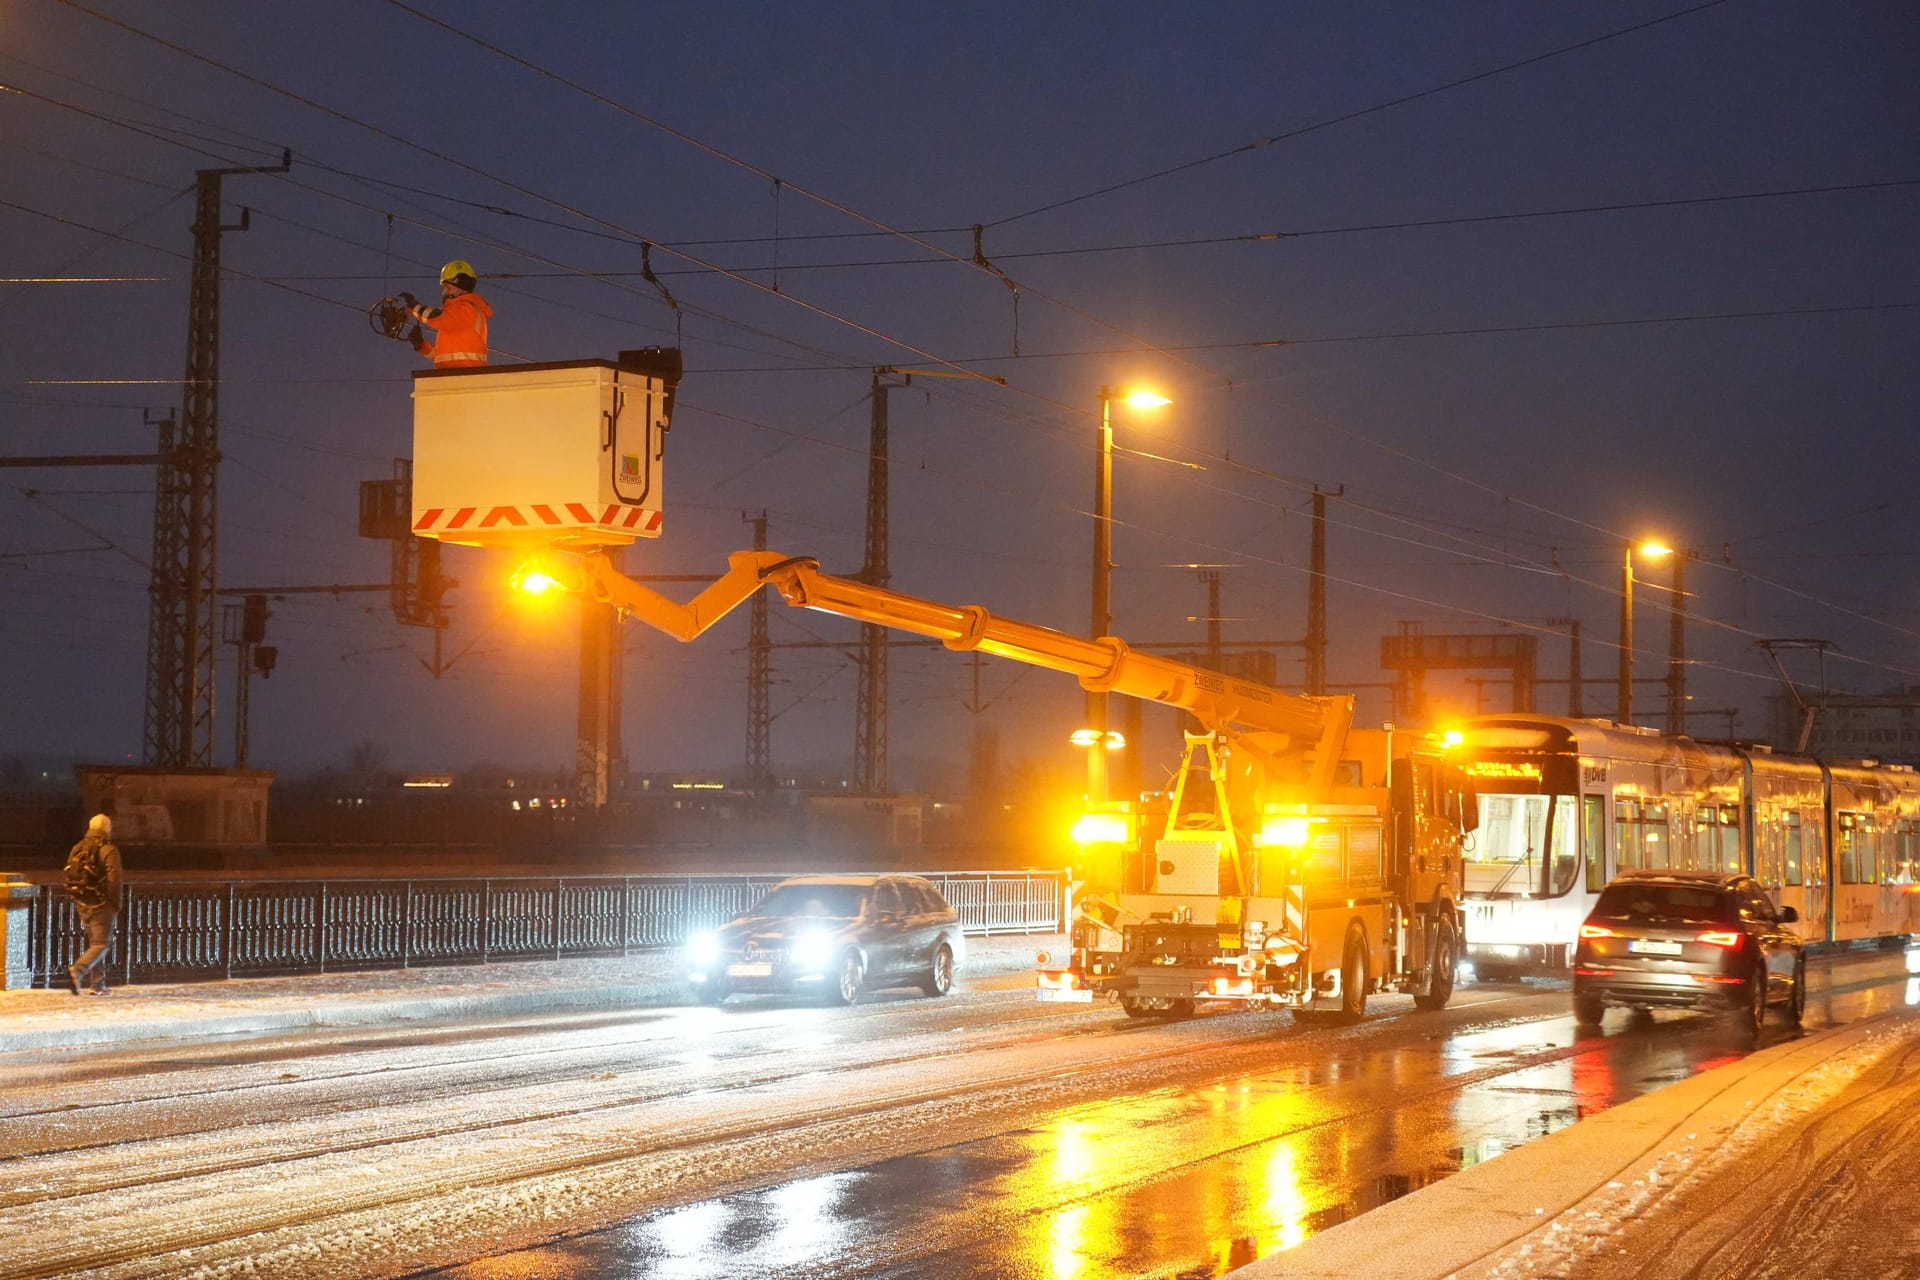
x=567, y=454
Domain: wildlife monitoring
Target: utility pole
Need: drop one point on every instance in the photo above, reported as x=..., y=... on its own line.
x=1215, y=654
x=1317, y=594
x=1677, y=649
x=182, y=637
x=759, y=679
x=599, y=754
x=871, y=774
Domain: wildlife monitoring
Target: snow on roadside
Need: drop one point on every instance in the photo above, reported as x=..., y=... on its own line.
x=1688, y=1160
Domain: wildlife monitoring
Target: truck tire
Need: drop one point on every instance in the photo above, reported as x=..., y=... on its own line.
x=1353, y=977
x=1169, y=1007
x=1446, y=955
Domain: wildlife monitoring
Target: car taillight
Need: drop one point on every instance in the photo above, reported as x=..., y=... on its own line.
x=1727, y=938
x=1595, y=931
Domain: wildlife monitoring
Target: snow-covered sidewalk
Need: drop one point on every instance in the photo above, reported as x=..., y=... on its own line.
x=1621, y=1192
x=58, y=1019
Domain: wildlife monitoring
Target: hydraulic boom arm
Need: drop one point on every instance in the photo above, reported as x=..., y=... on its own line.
x=1315, y=726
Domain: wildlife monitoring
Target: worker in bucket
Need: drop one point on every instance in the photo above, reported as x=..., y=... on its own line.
x=459, y=322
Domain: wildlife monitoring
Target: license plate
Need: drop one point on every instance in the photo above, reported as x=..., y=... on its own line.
x=749, y=971
x=1059, y=995
x=1653, y=947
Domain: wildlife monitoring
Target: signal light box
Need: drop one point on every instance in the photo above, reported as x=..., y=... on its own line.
x=567, y=454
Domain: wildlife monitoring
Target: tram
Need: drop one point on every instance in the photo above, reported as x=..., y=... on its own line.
x=1565, y=805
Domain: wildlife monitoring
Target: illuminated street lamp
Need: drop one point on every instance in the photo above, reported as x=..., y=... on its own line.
x=1653, y=551
x=1103, y=564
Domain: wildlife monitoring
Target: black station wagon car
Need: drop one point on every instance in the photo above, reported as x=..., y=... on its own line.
x=1689, y=939
x=833, y=936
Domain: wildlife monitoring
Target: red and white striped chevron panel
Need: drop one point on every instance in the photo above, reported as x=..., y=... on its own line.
x=566, y=519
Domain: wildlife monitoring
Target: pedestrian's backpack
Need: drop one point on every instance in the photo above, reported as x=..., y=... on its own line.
x=86, y=871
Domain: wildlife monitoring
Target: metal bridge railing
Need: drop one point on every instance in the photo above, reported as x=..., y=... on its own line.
x=174, y=931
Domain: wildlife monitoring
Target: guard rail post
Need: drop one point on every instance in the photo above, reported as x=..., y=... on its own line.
x=16, y=909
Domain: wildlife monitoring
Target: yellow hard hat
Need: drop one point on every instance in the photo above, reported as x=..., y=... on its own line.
x=458, y=267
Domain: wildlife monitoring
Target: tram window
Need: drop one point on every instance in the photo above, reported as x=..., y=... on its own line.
x=1593, y=841
x=1849, y=824
x=1729, y=832
x=1655, y=837
x=1771, y=835
x=1626, y=834
x=1795, y=847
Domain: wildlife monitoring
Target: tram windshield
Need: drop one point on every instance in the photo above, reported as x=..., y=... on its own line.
x=1527, y=846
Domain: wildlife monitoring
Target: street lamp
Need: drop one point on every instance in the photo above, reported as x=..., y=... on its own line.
x=1103, y=564
x=1653, y=551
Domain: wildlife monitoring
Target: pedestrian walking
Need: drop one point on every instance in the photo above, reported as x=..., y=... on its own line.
x=93, y=882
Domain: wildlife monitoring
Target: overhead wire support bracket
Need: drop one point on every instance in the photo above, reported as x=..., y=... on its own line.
x=1013, y=286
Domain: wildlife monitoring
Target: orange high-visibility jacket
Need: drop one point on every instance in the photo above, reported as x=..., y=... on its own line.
x=460, y=331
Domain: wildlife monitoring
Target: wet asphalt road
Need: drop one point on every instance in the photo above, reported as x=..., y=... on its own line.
x=1252, y=1132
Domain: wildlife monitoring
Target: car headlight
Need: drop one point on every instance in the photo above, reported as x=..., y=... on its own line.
x=811, y=950
x=704, y=948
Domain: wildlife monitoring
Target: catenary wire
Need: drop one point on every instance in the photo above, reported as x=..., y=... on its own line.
x=1302, y=130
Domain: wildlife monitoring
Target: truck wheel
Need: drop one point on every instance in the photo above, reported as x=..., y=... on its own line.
x=713, y=992
x=1135, y=1008
x=1446, y=955
x=1353, y=978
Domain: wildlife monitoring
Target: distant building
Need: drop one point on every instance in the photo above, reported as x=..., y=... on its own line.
x=1883, y=726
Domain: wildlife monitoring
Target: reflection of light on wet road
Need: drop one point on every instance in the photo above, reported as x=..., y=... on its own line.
x=1068, y=1237
x=806, y=1224
x=1205, y=1176
x=1286, y=1202
x=682, y=1240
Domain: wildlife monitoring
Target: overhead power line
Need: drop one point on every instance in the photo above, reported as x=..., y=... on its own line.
x=978, y=261
x=1376, y=108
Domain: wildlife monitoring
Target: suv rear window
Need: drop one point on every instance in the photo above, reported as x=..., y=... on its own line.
x=1665, y=902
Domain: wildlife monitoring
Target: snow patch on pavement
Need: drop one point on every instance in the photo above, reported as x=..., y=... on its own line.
x=1662, y=1179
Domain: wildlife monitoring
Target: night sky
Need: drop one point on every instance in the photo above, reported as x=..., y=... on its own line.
x=1377, y=248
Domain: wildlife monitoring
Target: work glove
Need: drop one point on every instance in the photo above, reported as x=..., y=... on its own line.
x=408, y=301
x=417, y=341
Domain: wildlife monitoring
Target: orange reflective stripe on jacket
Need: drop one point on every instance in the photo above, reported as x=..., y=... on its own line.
x=460, y=331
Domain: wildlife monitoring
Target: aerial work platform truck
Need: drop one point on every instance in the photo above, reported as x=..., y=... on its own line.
x=1301, y=863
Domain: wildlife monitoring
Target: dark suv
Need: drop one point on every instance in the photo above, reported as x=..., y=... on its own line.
x=834, y=936
x=1689, y=939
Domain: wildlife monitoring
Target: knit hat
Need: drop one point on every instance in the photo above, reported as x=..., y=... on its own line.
x=100, y=824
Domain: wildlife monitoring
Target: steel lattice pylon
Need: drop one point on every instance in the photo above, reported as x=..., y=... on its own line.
x=182, y=628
